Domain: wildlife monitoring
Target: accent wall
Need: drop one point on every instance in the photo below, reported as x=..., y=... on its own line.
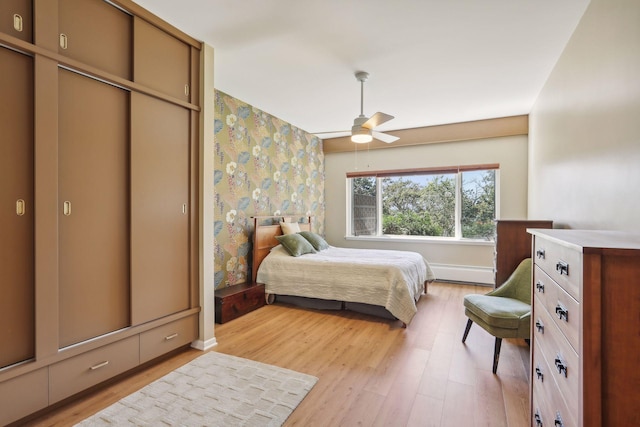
x=263, y=166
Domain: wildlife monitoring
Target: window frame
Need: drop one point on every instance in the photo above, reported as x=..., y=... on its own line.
x=458, y=170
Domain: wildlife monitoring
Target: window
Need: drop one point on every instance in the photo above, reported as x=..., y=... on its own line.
x=455, y=202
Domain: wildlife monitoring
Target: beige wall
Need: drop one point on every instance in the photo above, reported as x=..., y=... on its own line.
x=510, y=152
x=584, y=159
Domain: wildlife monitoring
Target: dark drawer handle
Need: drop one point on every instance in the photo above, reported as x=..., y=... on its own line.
x=540, y=253
x=562, y=268
x=538, y=419
x=562, y=368
x=562, y=312
x=558, y=421
x=540, y=326
x=540, y=287
x=539, y=374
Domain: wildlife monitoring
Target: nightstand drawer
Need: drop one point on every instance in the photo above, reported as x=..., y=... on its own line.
x=562, y=264
x=564, y=310
x=165, y=338
x=75, y=374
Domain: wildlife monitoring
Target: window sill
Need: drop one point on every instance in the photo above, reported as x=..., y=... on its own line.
x=420, y=239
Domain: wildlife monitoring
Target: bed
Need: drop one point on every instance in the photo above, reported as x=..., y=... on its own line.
x=357, y=278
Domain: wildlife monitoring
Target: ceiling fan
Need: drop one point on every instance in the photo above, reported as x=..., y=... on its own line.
x=362, y=130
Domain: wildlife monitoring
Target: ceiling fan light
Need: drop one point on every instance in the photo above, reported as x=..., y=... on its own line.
x=361, y=136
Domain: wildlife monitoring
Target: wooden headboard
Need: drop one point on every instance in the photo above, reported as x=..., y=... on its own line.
x=265, y=230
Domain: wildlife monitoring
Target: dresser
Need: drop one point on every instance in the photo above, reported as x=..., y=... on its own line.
x=513, y=244
x=585, y=341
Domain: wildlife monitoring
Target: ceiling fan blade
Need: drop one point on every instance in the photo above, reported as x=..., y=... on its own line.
x=332, y=134
x=376, y=120
x=385, y=137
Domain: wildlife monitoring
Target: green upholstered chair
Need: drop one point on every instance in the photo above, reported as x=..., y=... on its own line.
x=504, y=312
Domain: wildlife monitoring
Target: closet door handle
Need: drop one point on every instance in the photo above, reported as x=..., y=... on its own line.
x=184, y=208
x=64, y=41
x=21, y=207
x=66, y=208
x=17, y=22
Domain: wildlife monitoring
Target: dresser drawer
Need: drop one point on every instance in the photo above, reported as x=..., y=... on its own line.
x=555, y=347
x=561, y=263
x=544, y=382
x=23, y=395
x=165, y=338
x=85, y=370
x=563, y=308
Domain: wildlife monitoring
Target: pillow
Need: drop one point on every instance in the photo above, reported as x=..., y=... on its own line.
x=295, y=244
x=289, y=227
x=315, y=239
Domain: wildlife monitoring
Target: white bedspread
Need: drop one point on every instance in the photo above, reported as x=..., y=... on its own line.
x=391, y=279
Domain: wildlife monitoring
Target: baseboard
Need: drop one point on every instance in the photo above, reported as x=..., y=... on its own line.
x=204, y=345
x=463, y=273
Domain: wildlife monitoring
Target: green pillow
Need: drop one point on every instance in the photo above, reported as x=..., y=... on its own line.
x=295, y=244
x=318, y=242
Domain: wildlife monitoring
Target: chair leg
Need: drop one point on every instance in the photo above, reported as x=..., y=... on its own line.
x=496, y=354
x=466, y=330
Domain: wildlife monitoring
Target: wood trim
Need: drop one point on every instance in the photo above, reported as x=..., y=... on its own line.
x=464, y=131
x=423, y=171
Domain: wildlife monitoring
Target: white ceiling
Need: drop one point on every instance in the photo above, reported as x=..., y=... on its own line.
x=430, y=61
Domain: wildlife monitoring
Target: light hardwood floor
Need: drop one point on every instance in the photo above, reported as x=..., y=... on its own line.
x=371, y=371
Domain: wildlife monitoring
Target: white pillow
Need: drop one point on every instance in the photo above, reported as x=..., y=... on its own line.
x=289, y=227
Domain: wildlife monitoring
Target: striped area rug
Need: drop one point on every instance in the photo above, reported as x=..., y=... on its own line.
x=213, y=390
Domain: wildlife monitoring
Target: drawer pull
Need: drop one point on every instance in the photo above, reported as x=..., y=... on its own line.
x=558, y=421
x=540, y=287
x=562, y=368
x=562, y=312
x=540, y=253
x=170, y=337
x=538, y=418
x=99, y=365
x=562, y=268
x=539, y=374
x=540, y=326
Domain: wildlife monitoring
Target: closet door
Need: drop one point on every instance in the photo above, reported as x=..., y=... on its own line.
x=159, y=208
x=161, y=61
x=93, y=208
x=16, y=18
x=17, y=318
x=96, y=33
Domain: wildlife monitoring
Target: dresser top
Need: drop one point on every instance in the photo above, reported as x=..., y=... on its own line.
x=591, y=241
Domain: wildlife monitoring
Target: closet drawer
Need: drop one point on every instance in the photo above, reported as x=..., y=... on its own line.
x=85, y=370
x=563, y=308
x=563, y=360
x=562, y=264
x=165, y=338
x=23, y=395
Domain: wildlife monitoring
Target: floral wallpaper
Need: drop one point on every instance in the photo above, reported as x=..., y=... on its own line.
x=263, y=166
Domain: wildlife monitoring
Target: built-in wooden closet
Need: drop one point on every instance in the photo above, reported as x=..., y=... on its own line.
x=98, y=185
